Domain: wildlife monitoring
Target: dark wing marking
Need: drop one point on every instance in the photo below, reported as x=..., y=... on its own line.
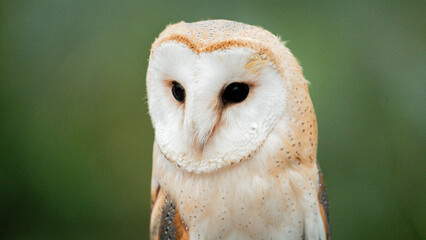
x=166, y=222
x=324, y=204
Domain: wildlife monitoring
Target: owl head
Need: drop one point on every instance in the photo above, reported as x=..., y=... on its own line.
x=217, y=89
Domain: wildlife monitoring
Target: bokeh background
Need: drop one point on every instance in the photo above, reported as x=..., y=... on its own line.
x=75, y=146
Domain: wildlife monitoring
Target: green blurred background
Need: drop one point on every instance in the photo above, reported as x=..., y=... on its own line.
x=76, y=137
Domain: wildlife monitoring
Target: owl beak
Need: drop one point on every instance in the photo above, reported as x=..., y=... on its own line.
x=202, y=113
x=202, y=128
x=201, y=139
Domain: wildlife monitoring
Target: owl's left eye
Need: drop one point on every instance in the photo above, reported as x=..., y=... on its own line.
x=236, y=92
x=178, y=91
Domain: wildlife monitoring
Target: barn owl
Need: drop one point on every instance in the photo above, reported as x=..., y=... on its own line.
x=235, y=137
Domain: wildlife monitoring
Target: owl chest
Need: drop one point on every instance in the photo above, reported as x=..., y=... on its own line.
x=242, y=205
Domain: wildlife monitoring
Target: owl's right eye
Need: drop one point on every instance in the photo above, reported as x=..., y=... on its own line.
x=178, y=91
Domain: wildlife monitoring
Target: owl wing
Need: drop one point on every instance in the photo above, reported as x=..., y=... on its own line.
x=166, y=221
x=324, y=204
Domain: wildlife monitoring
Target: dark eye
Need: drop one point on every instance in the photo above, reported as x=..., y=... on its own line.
x=236, y=92
x=178, y=92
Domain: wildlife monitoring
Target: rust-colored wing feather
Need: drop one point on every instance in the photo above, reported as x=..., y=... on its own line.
x=166, y=221
x=324, y=204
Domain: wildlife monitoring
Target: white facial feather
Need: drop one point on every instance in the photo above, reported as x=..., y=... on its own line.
x=204, y=134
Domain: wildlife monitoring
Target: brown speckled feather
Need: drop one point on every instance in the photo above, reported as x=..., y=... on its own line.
x=324, y=204
x=166, y=221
